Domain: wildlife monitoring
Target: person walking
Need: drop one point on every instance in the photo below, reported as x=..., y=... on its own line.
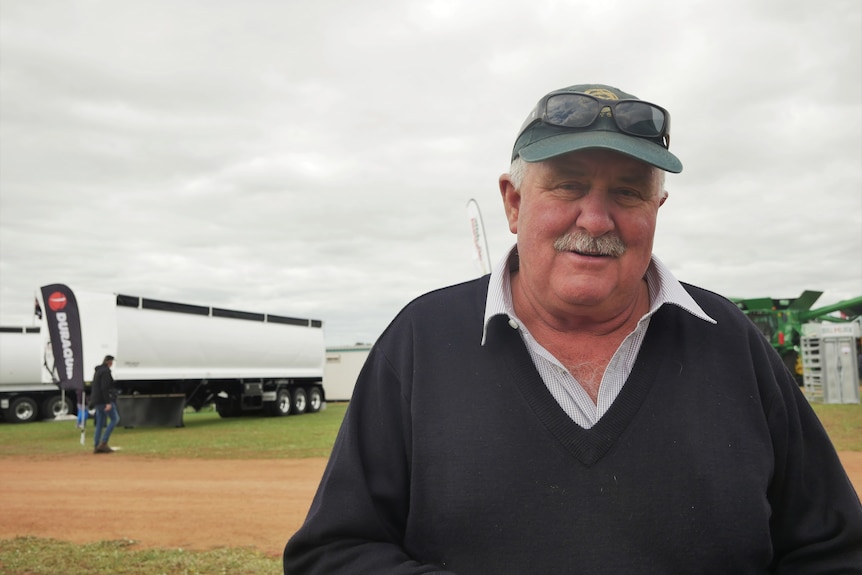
x=104, y=400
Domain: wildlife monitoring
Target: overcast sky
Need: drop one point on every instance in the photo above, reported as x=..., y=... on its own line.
x=315, y=159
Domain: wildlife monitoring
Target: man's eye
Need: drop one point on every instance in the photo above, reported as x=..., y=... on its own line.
x=628, y=194
x=572, y=187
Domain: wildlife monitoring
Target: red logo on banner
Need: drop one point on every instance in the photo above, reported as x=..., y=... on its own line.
x=57, y=301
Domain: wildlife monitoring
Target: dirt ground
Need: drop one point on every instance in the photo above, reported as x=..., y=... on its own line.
x=171, y=503
x=185, y=503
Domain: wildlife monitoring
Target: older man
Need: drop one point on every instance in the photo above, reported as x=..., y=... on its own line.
x=580, y=410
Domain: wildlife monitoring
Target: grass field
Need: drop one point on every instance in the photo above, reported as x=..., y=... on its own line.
x=34, y=556
x=206, y=435
x=843, y=423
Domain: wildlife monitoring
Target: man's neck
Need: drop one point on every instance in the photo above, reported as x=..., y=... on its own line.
x=584, y=343
x=603, y=320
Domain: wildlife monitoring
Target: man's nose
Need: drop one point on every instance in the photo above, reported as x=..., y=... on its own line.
x=595, y=214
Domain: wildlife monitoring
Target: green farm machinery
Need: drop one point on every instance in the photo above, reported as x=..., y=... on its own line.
x=781, y=321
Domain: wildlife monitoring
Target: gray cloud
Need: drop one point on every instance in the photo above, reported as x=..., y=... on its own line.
x=314, y=159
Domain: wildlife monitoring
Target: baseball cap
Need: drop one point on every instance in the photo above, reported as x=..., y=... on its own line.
x=544, y=136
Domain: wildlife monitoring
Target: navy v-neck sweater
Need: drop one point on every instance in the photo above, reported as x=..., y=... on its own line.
x=454, y=458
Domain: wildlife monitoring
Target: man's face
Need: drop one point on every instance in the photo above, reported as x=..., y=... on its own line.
x=594, y=194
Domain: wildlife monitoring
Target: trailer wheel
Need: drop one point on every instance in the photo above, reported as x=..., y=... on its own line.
x=22, y=410
x=300, y=401
x=282, y=404
x=315, y=400
x=228, y=407
x=55, y=406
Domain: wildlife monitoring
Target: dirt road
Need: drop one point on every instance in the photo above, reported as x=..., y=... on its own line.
x=185, y=503
x=172, y=503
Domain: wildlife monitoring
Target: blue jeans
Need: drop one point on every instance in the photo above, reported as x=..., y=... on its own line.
x=113, y=417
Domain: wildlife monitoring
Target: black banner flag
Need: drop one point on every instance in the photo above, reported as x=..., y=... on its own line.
x=64, y=328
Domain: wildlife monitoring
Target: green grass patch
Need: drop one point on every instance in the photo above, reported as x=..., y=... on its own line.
x=205, y=435
x=843, y=423
x=35, y=556
x=208, y=436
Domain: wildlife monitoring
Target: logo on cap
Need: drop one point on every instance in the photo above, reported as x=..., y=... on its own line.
x=601, y=93
x=604, y=95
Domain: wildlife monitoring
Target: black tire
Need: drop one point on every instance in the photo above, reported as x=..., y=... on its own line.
x=228, y=407
x=315, y=400
x=300, y=401
x=22, y=410
x=282, y=405
x=56, y=406
x=196, y=405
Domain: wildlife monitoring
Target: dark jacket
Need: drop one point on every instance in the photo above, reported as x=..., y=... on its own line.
x=104, y=390
x=455, y=458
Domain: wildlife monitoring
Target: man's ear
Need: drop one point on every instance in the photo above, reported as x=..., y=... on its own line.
x=664, y=196
x=511, y=201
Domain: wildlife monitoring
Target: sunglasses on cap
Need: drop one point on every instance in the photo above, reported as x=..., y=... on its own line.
x=579, y=110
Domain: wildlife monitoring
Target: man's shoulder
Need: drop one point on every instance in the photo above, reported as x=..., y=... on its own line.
x=705, y=297
x=717, y=306
x=445, y=308
x=466, y=294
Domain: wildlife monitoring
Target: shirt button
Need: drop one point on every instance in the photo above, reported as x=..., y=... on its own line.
x=513, y=324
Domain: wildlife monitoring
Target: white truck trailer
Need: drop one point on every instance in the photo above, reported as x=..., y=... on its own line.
x=169, y=355
x=343, y=365
x=23, y=396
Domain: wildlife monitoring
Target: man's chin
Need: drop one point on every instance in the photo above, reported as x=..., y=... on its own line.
x=585, y=293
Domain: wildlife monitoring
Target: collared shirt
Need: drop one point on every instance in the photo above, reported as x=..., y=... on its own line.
x=663, y=287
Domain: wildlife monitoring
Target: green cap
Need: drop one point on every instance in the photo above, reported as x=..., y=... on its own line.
x=541, y=141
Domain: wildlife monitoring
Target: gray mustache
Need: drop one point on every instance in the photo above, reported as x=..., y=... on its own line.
x=581, y=242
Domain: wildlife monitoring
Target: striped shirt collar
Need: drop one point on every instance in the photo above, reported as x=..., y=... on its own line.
x=664, y=288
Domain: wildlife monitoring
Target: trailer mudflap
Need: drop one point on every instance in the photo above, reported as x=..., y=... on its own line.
x=151, y=410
